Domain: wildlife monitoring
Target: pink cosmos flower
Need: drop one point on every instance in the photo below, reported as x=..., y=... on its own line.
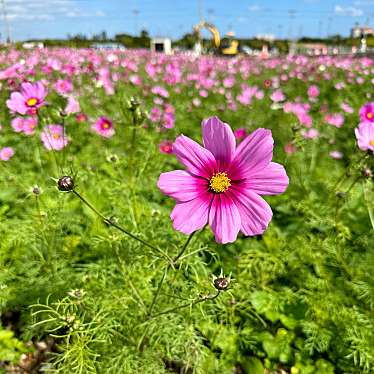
x=29, y=125
x=161, y=91
x=222, y=183
x=64, y=86
x=81, y=117
x=367, y=113
x=346, y=108
x=104, y=127
x=6, y=153
x=26, y=125
x=277, y=96
x=53, y=137
x=365, y=136
x=28, y=99
x=72, y=105
x=166, y=147
x=335, y=119
x=313, y=91
x=310, y=134
x=290, y=148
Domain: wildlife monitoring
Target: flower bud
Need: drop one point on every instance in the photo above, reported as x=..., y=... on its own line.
x=221, y=284
x=65, y=183
x=366, y=172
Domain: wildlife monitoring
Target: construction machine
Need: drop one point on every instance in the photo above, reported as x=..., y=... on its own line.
x=231, y=49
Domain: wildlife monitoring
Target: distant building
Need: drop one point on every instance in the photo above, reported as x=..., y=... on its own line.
x=359, y=31
x=161, y=45
x=108, y=46
x=266, y=37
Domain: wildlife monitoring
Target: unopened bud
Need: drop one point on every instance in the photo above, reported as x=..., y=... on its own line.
x=221, y=284
x=366, y=172
x=65, y=183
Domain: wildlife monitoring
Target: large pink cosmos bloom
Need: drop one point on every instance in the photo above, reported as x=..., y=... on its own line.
x=222, y=183
x=28, y=99
x=365, y=136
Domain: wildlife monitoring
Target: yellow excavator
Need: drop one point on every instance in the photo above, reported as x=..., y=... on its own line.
x=231, y=50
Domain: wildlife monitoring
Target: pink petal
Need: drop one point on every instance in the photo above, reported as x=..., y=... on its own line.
x=192, y=215
x=254, y=153
x=181, y=185
x=198, y=160
x=255, y=212
x=224, y=218
x=219, y=139
x=271, y=180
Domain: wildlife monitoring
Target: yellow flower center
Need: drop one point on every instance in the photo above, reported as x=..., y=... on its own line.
x=369, y=115
x=56, y=136
x=106, y=125
x=372, y=142
x=220, y=182
x=32, y=101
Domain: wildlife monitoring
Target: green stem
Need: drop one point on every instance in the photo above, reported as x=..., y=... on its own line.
x=170, y=264
x=369, y=208
x=111, y=223
x=200, y=300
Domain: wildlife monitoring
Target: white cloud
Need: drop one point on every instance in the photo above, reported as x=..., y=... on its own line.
x=254, y=8
x=46, y=10
x=348, y=11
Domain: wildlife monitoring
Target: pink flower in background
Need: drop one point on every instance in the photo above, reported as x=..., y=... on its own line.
x=365, y=136
x=28, y=99
x=289, y=148
x=310, y=134
x=29, y=125
x=346, y=108
x=72, y=106
x=6, y=153
x=240, y=133
x=155, y=114
x=104, y=127
x=166, y=147
x=158, y=90
x=335, y=119
x=313, y=91
x=222, y=183
x=336, y=155
x=17, y=124
x=168, y=120
x=135, y=80
x=63, y=86
x=367, y=113
x=26, y=125
x=53, y=137
x=81, y=117
x=277, y=96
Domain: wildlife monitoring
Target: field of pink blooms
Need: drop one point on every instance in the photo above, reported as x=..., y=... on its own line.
x=183, y=214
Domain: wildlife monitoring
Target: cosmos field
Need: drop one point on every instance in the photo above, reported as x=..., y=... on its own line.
x=181, y=214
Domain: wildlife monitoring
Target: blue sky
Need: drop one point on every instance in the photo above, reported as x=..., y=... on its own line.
x=57, y=18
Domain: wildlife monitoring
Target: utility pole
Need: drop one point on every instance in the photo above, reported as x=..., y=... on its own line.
x=135, y=12
x=200, y=7
x=6, y=22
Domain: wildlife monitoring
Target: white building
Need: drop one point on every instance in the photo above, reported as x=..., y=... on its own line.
x=359, y=31
x=161, y=45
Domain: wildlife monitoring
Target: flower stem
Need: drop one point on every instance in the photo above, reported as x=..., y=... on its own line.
x=200, y=300
x=170, y=264
x=111, y=223
x=370, y=208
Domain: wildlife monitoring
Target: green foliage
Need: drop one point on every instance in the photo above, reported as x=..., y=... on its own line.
x=301, y=296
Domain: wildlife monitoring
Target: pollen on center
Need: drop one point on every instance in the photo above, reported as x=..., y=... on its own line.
x=220, y=182
x=32, y=101
x=372, y=142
